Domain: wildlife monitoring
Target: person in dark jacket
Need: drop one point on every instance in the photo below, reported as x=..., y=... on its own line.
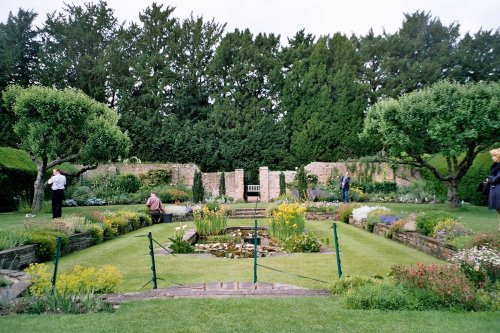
x=344, y=186
x=494, y=183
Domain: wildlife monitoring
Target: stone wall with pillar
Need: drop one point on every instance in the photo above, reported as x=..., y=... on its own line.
x=234, y=182
x=376, y=172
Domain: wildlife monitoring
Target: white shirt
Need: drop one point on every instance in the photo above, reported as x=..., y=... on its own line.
x=58, y=182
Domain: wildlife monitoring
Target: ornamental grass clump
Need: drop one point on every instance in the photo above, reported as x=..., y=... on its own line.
x=288, y=220
x=210, y=220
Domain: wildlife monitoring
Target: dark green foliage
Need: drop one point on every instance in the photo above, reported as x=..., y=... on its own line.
x=303, y=242
x=181, y=246
x=477, y=173
x=302, y=183
x=74, y=52
x=282, y=184
x=18, y=60
x=46, y=241
x=157, y=177
x=128, y=183
x=198, y=190
x=171, y=195
x=426, y=221
x=222, y=184
x=384, y=187
x=17, y=174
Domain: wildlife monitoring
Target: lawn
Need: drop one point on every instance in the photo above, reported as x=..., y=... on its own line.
x=476, y=218
x=252, y=314
x=361, y=253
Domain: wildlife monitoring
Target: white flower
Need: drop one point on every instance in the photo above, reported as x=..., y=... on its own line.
x=177, y=228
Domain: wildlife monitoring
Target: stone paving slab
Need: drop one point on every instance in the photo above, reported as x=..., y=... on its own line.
x=220, y=290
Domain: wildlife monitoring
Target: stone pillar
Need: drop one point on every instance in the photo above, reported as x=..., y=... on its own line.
x=264, y=183
x=239, y=184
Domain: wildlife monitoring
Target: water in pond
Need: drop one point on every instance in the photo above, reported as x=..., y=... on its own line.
x=237, y=242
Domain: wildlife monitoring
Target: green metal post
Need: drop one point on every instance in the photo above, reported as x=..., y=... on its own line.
x=152, y=254
x=337, y=252
x=255, y=253
x=56, y=263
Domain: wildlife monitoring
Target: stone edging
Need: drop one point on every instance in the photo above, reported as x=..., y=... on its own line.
x=429, y=245
x=22, y=256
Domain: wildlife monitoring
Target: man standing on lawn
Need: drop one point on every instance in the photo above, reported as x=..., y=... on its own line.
x=344, y=186
x=58, y=182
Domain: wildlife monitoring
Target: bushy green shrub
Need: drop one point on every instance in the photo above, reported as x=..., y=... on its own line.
x=449, y=229
x=46, y=241
x=446, y=285
x=427, y=221
x=81, y=194
x=198, y=190
x=374, y=218
x=348, y=283
x=302, y=183
x=128, y=183
x=344, y=211
x=305, y=243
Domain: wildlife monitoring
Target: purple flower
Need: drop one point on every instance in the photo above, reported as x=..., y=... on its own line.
x=388, y=219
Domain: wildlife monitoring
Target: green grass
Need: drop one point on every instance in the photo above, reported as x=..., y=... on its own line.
x=476, y=218
x=361, y=253
x=252, y=314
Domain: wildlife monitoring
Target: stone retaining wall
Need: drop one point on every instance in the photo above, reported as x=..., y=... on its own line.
x=18, y=257
x=321, y=216
x=78, y=242
x=415, y=240
x=22, y=256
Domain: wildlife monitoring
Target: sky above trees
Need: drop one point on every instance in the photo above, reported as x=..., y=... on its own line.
x=286, y=17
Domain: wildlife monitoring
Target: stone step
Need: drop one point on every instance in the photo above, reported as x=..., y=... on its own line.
x=221, y=290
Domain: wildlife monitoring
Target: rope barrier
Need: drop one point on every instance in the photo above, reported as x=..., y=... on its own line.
x=292, y=274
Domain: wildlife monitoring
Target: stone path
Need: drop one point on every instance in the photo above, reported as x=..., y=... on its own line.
x=19, y=282
x=220, y=290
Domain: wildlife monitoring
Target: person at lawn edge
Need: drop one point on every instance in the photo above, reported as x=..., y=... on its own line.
x=58, y=183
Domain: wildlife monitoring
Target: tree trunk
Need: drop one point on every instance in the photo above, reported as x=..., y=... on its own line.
x=36, y=206
x=453, y=199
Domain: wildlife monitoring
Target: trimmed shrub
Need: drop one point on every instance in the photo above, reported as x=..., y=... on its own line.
x=302, y=183
x=46, y=241
x=222, y=184
x=427, y=221
x=198, y=190
x=128, y=183
x=282, y=184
